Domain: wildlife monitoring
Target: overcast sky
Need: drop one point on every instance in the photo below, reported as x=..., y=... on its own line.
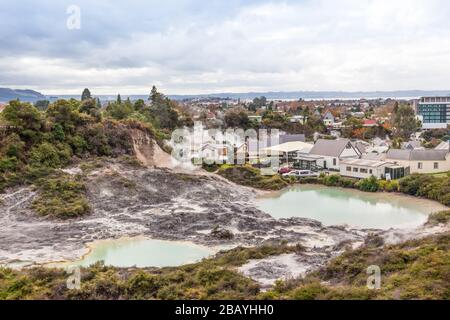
x=188, y=47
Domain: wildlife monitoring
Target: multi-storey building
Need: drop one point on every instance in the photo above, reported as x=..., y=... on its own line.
x=434, y=112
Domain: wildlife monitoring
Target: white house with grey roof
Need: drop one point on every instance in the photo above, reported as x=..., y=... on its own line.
x=328, y=153
x=363, y=168
x=421, y=161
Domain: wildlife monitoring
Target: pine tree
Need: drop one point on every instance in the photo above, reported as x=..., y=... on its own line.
x=119, y=99
x=86, y=95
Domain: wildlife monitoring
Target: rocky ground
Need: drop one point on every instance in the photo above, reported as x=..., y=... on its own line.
x=165, y=204
x=158, y=203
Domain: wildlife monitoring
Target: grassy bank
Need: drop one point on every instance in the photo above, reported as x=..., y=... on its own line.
x=210, y=279
x=417, y=269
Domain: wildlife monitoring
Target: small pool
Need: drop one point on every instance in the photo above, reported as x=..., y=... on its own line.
x=144, y=253
x=337, y=206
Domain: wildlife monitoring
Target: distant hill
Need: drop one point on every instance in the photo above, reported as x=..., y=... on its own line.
x=7, y=95
x=313, y=95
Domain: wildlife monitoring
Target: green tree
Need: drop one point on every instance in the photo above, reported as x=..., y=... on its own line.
x=12, y=146
x=58, y=132
x=237, y=119
x=42, y=105
x=155, y=96
x=66, y=113
x=404, y=122
x=48, y=155
x=91, y=108
x=119, y=111
x=119, y=99
x=139, y=105
x=86, y=95
x=22, y=115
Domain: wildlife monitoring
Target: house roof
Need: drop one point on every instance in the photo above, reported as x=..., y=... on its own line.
x=411, y=145
x=331, y=148
x=361, y=146
x=292, y=137
x=445, y=145
x=369, y=122
x=291, y=146
x=414, y=155
x=366, y=163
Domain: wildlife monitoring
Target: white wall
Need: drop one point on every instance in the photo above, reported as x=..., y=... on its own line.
x=427, y=166
x=329, y=161
x=378, y=172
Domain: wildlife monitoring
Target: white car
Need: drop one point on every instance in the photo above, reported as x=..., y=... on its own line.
x=301, y=174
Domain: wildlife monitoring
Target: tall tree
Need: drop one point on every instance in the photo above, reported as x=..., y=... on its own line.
x=155, y=96
x=86, y=95
x=119, y=99
x=404, y=122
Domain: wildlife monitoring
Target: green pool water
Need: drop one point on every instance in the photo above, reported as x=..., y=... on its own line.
x=336, y=206
x=144, y=253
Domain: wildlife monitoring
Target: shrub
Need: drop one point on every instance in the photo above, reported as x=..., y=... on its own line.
x=369, y=184
x=336, y=180
x=428, y=186
x=48, y=155
x=249, y=176
x=61, y=196
x=388, y=186
x=8, y=164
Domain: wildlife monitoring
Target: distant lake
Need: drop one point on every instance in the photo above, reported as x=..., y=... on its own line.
x=336, y=206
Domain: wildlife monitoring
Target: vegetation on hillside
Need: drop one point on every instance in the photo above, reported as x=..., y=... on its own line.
x=34, y=142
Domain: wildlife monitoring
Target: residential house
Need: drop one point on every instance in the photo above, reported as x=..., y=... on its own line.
x=292, y=138
x=368, y=123
x=331, y=152
x=255, y=118
x=298, y=119
x=288, y=151
x=254, y=146
x=328, y=119
x=412, y=145
x=443, y=146
x=421, y=161
x=363, y=168
x=358, y=114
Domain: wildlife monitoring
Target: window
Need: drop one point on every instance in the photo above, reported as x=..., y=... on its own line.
x=436, y=165
x=355, y=169
x=363, y=170
x=334, y=161
x=370, y=171
x=349, y=169
x=419, y=165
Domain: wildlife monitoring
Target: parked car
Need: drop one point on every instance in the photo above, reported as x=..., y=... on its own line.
x=284, y=170
x=301, y=174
